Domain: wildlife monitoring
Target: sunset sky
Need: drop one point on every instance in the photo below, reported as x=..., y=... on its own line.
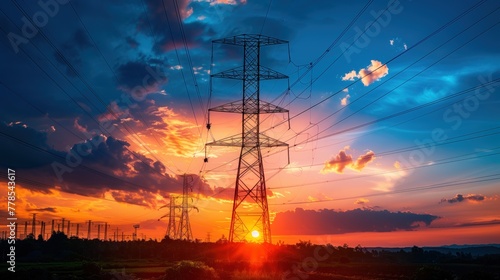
x=394, y=135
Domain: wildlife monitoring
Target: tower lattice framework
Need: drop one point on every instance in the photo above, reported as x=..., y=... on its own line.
x=179, y=227
x=250, y=183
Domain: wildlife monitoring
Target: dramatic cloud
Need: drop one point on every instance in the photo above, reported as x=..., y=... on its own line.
x=70, y=53
x=16, y=155
x=328, y=221
x=461, y=198
x=91, y=168
x=196, y=33
x=343, y=160
x=374, y=72
x=139, y=78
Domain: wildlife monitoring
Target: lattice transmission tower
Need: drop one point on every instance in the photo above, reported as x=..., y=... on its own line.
x=171, y=227
x=180, y=229
x=184, y=225
x=250, y=186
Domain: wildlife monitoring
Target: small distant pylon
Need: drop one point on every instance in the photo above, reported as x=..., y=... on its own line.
x=184, y=225
x=171, y=228
x=182, y=228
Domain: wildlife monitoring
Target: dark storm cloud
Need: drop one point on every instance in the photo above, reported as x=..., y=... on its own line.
x=461, y=198
x=328, y=221
x=139, y=73
x=132, y=42
x=156, y=19
x=91, y=168
x=15, y=155
x=70, y=54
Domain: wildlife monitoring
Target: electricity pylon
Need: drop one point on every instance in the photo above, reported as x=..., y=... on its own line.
x=250, y=179
x=182, y=230
x=171, y=228
x=184, y=225
x=172, y=218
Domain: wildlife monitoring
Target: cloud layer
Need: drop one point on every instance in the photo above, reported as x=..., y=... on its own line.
x=327, y=221
x=93, y=168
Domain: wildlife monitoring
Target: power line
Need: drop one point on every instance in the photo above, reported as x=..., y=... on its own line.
x=437, y=162
x=483, y=85
x=265, y=18
x=416, y=147
x=438, y=30
x=392, y=59
x=327, y=51
x=479, y=179
x=412, y=77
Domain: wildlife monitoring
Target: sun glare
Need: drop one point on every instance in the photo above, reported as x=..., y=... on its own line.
x=255, y=234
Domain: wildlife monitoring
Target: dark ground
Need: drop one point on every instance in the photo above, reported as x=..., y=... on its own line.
x=63, y=258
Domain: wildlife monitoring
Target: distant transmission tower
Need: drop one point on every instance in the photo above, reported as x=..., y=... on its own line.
x=250, y=179
x=172, y=218
x=184, y=225
x=181, y=230
x=171, y=228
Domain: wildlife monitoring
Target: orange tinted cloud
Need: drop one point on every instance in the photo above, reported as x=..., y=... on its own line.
x=338, y=163
x=373, y=72
x=363, y=160
x=344, y=100
x=343, y=160
x=361, y=201
x=350, y=76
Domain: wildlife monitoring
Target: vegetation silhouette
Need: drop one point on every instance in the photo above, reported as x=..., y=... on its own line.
x=73, y=258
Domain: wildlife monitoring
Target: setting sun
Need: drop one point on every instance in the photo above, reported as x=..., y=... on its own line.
x=255, y=234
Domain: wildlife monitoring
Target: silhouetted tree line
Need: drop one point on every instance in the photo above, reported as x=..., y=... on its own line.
x=219, y=259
